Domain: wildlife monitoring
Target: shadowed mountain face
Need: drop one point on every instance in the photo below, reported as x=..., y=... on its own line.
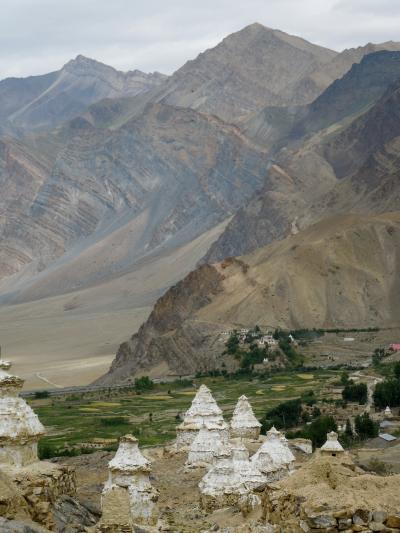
x=360, y=151
x=325, y=276
x=47, y=101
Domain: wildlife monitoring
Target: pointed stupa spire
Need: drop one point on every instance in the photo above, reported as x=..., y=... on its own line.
x=274, y=457
x=20, y=428
x=332, y=445
x=244, y=423
x=129, y=458
x=203, y=411
x=128, y=497
x=388, y=412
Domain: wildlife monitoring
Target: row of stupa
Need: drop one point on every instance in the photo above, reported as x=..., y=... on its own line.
x=205, y=412
x=128, y=497
x=219, y=448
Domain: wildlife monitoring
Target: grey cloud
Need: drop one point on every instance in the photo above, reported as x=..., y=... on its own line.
x=38, y=36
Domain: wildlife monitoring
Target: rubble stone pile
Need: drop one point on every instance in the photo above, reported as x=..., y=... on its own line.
x=330, y=494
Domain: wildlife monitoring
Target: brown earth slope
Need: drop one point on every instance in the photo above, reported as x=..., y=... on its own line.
x=342, y=271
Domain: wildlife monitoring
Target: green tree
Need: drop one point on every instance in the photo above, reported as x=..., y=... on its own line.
x=318, y=430
x=144, y=383
x=387, y=393
x=232, y=344
x=286, y=414
x=355, y=392
x=365, y=427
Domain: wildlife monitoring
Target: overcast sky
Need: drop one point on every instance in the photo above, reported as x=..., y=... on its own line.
x=38, y=36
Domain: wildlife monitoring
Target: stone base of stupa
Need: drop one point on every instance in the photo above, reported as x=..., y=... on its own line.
x=41, y=484
x=124, y=508
x=18, y=454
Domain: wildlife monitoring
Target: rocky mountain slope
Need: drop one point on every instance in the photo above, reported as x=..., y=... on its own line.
x=251, y=68
x=160, y=180
x=328, y=165
x=48, y=100
x=325, y=276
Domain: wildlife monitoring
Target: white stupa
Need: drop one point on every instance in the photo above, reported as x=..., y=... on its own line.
x=274, y=457
x=388, y=412
x=203, y=411
x=244, y=424
x=20, y=428
x=332, y=446
x=229, y=479
x=248, y=471
x=128, y=497
x=206, y=448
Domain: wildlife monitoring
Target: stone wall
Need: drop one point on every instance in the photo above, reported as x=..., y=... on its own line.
x=41, y=485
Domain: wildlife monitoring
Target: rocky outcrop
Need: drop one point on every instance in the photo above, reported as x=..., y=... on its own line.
x=323, y=276
x=162, y=333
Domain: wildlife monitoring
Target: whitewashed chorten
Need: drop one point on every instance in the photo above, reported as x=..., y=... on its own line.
x=388, y=412
x=128, y=497
x=206, y=448
x=274, y=457
x=244, y=424
x=229, y=479
x=203, y=411
x=20, y=428
x=332, y=446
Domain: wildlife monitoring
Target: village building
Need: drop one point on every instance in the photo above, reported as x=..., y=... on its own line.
x=20, y=428
x=274, y=457
x=206, y=448
x=332, y=446
x=395, y=347
x=128, y=498
x=267, y=340
x=203, y=411
x=244, y=424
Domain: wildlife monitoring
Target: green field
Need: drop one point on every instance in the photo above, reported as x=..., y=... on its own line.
x=77, y=420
